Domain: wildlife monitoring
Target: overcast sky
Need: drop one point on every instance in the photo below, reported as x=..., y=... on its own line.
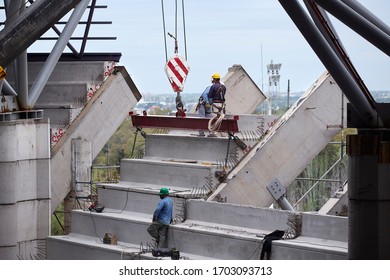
x=221, y=33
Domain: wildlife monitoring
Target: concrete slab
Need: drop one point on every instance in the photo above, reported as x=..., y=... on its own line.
x=141, y=199
x=82, y=247
x=171, y=174
x=307, y=248
x=198, y=149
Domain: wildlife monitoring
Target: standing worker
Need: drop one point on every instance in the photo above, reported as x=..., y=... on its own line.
x=204, y=107
x=216, y=97
x=162, y=218
x=217, y=93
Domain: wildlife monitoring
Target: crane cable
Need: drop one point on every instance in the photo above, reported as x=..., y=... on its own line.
x=165, y=36
x=176, y=27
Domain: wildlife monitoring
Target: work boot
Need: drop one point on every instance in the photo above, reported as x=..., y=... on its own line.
x=212, y=134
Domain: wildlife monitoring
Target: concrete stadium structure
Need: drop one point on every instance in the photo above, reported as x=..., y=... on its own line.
x=51, y=123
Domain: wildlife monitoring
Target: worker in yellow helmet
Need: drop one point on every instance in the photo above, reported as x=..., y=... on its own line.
x=216, y=97
x=216, y=76
x=217, y=90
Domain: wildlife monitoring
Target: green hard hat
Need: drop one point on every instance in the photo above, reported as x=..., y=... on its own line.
x=164, y=191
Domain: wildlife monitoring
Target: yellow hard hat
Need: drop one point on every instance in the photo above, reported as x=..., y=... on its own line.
x=216, y=76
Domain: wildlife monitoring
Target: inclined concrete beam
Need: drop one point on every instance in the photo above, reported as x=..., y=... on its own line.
x=294, y=140
x=108, y=108
x=34, y=22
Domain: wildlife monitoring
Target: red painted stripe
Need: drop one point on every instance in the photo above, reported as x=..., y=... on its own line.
x=177, y=74
x=182, y=66
x=175, y=87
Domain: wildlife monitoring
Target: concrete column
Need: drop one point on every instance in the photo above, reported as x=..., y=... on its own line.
x=369, y=195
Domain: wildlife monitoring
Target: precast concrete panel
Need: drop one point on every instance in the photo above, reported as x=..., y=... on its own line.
x=9, y=253
x=42, y=145
x=26, y=140
x=238, y=215
x=8, y=182
x=9, y=225
x=325, y=227
x=43, y=178
x=70, y=71
x=33, y=220
x=243, y=96
x=8, y=143
x=62, y=93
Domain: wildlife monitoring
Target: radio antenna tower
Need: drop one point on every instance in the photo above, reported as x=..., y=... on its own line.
x=273, y=71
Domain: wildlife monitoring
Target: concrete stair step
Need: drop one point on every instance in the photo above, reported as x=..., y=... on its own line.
x=309, y=248
x=127, y=226
x=84, y=247
x=198, y=149
x=217, y=241
x=141, y=199
x=168, y=173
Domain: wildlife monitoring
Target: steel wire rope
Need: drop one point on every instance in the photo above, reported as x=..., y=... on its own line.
x=164, y=31
x=184, y=30
x=176, y=28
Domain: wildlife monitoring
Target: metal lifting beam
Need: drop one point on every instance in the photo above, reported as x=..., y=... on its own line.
x=190, y=123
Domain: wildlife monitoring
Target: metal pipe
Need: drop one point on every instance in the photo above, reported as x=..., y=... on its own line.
x=316, y=183
x=325, y=26
x=55, y=55
x=316, y=13
x=357, y=23
x=12, y=11
x=37, y=19
x=359, y=8
x=318, y=180
x=285, y=204
x=7, y=88
x=332, y=63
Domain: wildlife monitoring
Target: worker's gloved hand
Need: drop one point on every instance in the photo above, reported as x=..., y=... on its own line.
x=207, y=108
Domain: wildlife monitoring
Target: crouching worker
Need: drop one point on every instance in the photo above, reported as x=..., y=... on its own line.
x=162, y=218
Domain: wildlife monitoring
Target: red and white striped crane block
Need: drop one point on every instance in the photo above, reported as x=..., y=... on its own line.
x=177, y=70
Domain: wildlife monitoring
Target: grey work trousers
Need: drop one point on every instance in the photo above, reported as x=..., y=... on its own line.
x=159, y=232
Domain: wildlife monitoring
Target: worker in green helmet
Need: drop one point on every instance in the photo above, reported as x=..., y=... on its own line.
x=162, y=218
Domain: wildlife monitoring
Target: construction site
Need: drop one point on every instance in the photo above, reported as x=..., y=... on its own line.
x=230, y=192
